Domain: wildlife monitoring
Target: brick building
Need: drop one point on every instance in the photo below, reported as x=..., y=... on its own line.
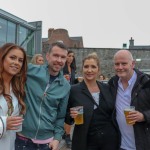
x=61, y=35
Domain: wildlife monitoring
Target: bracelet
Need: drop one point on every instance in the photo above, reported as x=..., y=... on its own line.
x=1, y=127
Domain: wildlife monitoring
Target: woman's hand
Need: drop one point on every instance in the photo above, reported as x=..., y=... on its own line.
x=73, y=112
x=13, y=122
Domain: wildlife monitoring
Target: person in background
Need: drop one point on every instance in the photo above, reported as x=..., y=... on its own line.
x=78, y=78
x=99, y=130
x=47, y=93
x=101, y=77
x=70, y=67
x=37, y=59
x=69, y=73
x=13, y=66
x=130, y=88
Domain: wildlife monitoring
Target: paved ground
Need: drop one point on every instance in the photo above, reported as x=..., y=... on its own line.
x=63, y=146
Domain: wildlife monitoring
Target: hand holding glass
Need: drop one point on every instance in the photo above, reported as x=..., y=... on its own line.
x=126, y=112
x=79, y=118
x=14, y=123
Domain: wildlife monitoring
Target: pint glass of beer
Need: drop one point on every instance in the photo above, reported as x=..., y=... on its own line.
x=79, y=119
x=126, y=112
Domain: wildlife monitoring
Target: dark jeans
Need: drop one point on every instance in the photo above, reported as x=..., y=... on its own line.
x=27, y=144
x=106, y=139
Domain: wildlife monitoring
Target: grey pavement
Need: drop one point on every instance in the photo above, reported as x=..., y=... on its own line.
x=63, y=146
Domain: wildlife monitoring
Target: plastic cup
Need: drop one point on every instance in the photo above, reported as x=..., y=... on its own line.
x=79, y=119
x=126, y=112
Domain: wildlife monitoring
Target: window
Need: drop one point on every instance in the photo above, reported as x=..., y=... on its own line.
x=3, y=31
x=22, y=35
x=30, y=45
x=11, y=33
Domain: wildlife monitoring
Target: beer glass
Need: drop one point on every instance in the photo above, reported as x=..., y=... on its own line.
x=126, y=112
x=79, y=119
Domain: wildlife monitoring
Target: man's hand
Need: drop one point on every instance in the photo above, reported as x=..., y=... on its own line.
x=54, y=145
x=135, y=116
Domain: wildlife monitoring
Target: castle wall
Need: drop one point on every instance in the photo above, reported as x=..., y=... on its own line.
x=106, y=57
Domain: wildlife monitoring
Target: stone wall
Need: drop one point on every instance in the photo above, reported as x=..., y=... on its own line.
x=106, y=57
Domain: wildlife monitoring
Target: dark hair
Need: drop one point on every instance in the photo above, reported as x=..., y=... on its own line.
x=73, y=64
x=18, y=81
x=59, y=44
x=102, y=76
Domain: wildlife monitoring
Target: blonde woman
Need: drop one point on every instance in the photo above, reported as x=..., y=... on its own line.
x=99, y=130
x=37, y=59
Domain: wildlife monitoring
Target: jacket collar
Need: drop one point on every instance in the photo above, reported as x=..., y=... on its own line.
x=142, y=78
x=85, y=89
x=103, y=91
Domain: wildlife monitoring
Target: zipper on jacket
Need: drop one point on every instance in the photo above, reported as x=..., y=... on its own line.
x=39, y=120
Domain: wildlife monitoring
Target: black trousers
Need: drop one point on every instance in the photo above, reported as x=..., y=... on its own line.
x=105, y=139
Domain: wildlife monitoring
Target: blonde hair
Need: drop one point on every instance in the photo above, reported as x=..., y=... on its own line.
x=35, y=57
x=92, y=56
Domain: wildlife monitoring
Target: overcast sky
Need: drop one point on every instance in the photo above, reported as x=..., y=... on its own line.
x=101, y=23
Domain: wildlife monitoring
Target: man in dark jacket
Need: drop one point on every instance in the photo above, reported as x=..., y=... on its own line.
x=130, y=87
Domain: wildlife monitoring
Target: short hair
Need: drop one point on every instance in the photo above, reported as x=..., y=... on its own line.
x=124, y=51
x=92, y=56
x=58, y=44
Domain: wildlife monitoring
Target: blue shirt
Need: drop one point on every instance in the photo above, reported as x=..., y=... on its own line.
x=123, y=100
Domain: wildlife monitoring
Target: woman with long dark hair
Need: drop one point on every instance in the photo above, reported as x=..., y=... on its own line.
x=13, y=66
x=69, y=74
x=70, y=67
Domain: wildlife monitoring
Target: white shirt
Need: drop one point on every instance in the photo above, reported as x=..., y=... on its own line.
x=123, y=100
x=95, y=96
x=7, y=142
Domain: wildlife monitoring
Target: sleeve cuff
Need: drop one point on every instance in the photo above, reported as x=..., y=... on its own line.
x=57, y=137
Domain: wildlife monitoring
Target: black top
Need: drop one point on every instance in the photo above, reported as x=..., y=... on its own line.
x=52, y=78
x=101, y=117
x=72, y=75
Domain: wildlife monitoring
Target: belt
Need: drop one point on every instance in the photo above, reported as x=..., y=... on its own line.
x=23, y=138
